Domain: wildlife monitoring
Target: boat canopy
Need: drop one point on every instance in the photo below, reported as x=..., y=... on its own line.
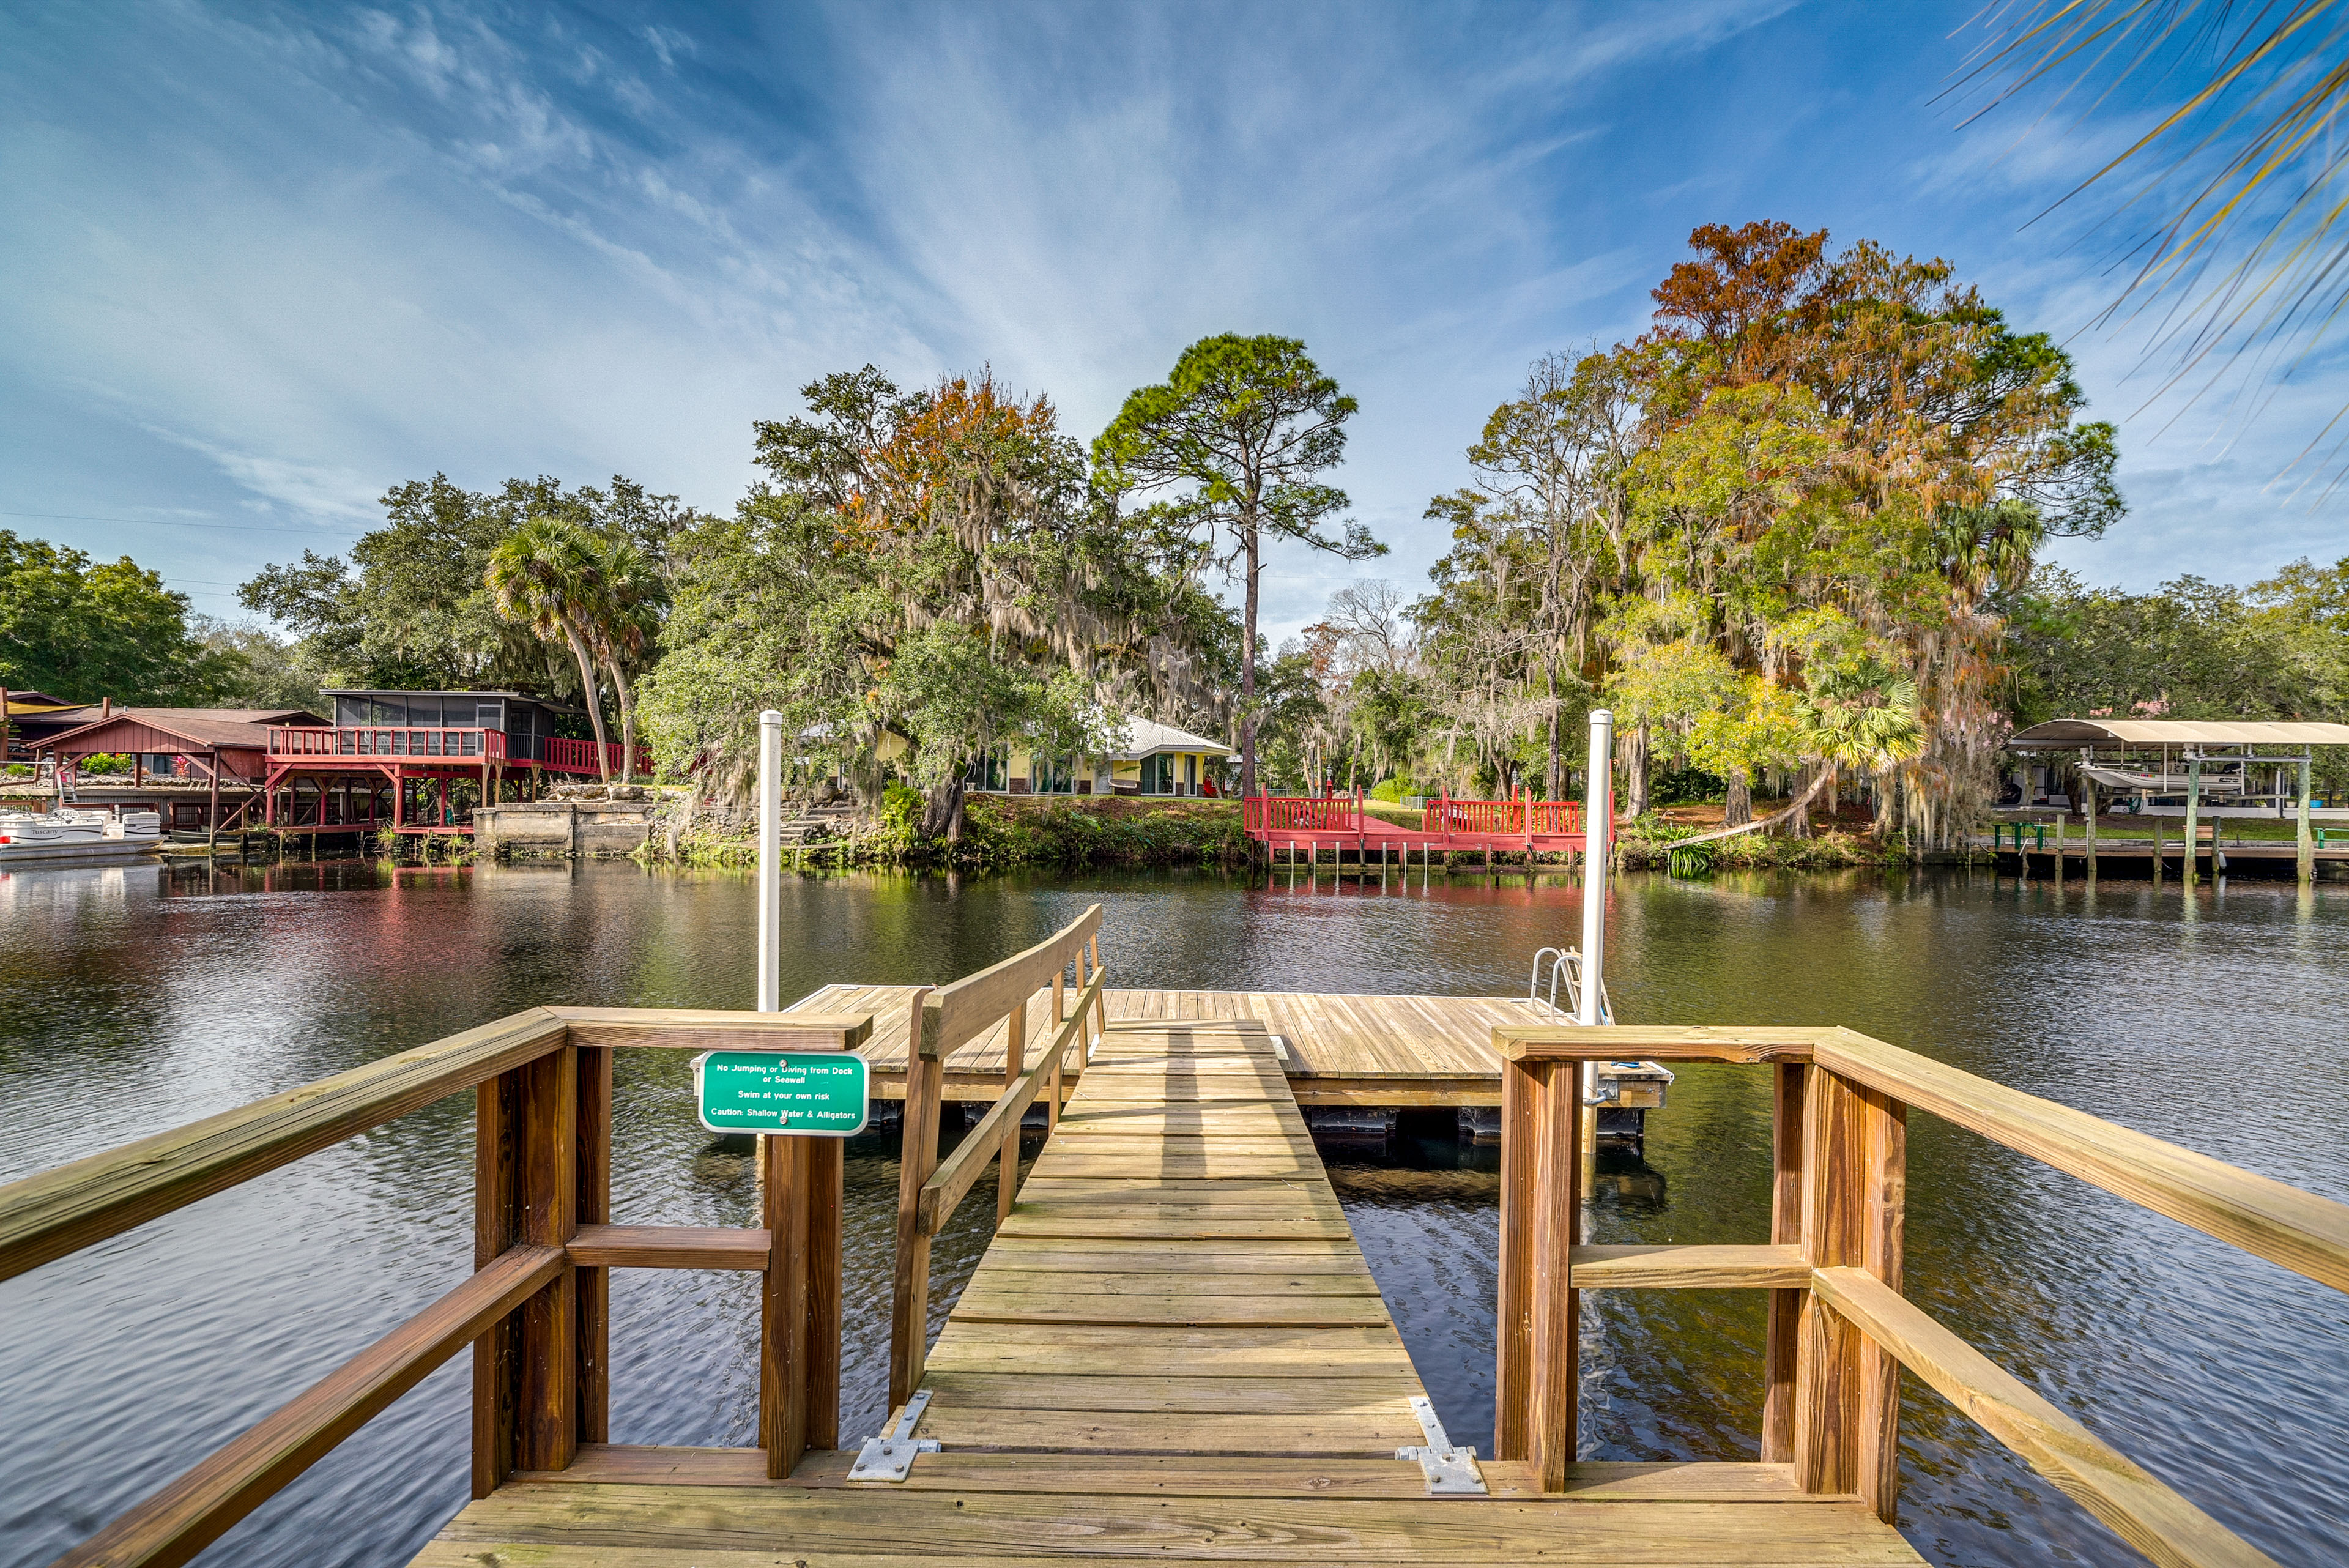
x=2131, y=735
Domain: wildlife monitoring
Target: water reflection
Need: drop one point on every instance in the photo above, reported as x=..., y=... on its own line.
x=141, y=998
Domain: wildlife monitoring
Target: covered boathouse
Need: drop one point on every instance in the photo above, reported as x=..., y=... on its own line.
x=393, y=759
x=2197, y=770
x=199, y=769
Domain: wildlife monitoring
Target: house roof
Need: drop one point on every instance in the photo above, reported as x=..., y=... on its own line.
x=1147, y=737
x=204, y=728
x=2115, y=735
x=24, y=701
x=549, y=703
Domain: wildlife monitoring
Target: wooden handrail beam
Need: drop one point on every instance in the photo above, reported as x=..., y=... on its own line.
x=1659, y=1043
x=2142, y=1510
x=960, y=1170
x=712, y=1029
x=2299, y=1231
x=70, y=1206
x=2303, y=1232
x=959, y=1013
x=1688, y=1268
x=669, y=1247
x=180, y=1521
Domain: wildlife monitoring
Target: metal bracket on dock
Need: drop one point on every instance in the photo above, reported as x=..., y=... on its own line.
x=891, y=1458
x=1450, y=1471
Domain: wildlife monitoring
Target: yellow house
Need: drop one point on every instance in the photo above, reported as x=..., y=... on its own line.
x=1157, y=759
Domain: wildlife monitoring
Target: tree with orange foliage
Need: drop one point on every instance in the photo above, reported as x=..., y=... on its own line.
x=1802, y=433
x=930, y=565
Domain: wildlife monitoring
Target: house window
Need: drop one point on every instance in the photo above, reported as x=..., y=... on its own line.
x=1190, y=775
x=987, y=769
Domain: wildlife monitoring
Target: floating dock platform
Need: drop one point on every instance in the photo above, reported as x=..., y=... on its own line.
x=1336, y=1049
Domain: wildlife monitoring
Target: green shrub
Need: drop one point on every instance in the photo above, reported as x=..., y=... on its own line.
x=103, y=763
x=900, y=808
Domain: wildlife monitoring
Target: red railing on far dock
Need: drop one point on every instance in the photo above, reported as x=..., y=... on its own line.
x=564, y=756
x=1297, y=814
x=390, y=740
x=1498, y=816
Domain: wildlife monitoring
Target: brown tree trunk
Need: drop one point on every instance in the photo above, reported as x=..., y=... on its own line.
x=1740, y=809
x=1247, y=665
x=595, y=704
x=1635, y=771
x=1799, y=825
x=627, y=723
x=1554, y=780
x=942, y=811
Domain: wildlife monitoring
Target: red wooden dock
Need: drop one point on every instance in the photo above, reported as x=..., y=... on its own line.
x=396, y=777
x=1488, y=828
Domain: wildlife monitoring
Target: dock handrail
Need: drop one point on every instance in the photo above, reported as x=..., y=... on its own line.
x=467, y=742
x=1300, y=814
x=940, y=1021
x=1839, y=1329
x=535, y=1307
x=560, y=754
x=943, y=1193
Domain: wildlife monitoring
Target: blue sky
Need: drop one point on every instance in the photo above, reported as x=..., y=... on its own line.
x=265, y=262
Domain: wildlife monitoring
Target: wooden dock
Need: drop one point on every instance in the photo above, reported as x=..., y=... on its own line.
x=1337, y=1049
x=1173, y=1349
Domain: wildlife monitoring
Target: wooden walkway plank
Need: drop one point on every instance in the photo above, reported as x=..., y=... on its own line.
x=1244, y=1177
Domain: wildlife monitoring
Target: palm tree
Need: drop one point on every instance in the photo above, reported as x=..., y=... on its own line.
x=619, y=619
x=545, y=574
x=1871, y=728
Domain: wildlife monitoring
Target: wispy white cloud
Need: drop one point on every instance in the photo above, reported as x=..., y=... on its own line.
x=283, y=257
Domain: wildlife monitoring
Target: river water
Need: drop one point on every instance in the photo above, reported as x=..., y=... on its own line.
x=133, y=1001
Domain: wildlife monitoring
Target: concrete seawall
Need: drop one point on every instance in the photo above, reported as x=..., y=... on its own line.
x=563, y=828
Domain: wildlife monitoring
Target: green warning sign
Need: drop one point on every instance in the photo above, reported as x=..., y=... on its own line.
x=819, y=1092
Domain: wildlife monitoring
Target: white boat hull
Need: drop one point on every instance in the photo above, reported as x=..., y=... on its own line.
x=82, y=851
x=67, y=835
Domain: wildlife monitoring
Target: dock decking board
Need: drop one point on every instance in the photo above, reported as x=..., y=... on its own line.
x=1342, y=1049
x=1173, y=1350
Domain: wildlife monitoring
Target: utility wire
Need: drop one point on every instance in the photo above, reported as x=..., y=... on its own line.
x=163, y=522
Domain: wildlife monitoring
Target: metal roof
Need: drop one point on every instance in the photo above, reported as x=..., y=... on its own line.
x=1145, y=737
x=207, y=728
x=549, y=703
x=2106, y=734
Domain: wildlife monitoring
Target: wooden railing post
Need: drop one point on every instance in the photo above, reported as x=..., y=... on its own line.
x=1060, y=1051
x=1015, y=1058
x=526, y=1370
x=1537, y=1378
x=909, y=1306
x=496, y=1117
x=1100, y=1007
x=1786, y=1136
x=799, y=1328
x=594, y=1208
x=1847, y=1436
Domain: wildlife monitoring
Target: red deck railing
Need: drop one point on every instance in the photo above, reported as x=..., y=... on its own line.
x=1498, y=817
x=1293, y=813
x=390, y=740
x=569, y=756
x=1445, y=818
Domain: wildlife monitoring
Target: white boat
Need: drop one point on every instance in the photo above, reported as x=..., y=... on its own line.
x=71, y=833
